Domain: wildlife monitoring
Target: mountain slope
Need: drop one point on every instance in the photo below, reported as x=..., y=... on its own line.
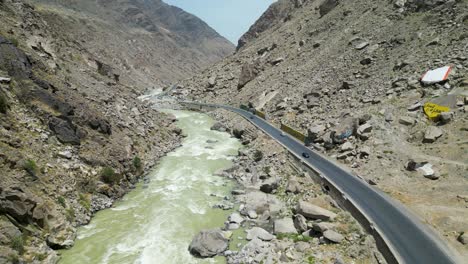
x=327, y=67
x=73, y=135
x=150, y=37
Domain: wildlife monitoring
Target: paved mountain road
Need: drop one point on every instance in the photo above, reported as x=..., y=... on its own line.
x=409, y=239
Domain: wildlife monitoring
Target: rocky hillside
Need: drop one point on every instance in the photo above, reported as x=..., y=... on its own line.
x=73, y=135
x=150, y=41
x=348, y=74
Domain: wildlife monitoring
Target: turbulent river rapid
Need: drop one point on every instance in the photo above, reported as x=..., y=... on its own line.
x=156, y=222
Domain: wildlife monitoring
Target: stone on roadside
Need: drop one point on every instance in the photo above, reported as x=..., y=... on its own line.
x=209, y=243
x=432, y=134
x=365, y=151
x=260, y=233
x=407, y=121
x=333, y=236
x=312, y=211
x=284, y=226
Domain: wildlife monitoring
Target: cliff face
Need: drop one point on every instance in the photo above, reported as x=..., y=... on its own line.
x=73, y=135
x=348, y=72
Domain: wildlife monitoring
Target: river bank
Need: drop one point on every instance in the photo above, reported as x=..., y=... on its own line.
x=155, y=222
x=286, y=216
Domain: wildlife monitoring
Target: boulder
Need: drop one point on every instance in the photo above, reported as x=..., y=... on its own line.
x=312, y=211
x=236, y=218
x=65, y=131
x=300, y=222
x=17, y=204
x=445, y=117
x=8, y=231
x=407, y=121
x=315, y=132
x=333, y=236
x=212, y=81
x=284, y=226
x=100, y=125
x=252, y=214
x=260, y=233
x=463, y=238
x=209, y=243
x=293, y=186
x=345, y=129
x=5, y=80
x=248, y=73
x=415, y=107
x=218, y=127
x=327, y=6
x=432, y=134
x=365, y=128
x=322, y=226
x=347, y=146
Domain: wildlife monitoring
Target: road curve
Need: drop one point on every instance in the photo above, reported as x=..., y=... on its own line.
x=410, y=241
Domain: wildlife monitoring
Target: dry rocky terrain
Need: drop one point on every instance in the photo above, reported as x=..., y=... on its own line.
x=347, y=74
x=73, y=135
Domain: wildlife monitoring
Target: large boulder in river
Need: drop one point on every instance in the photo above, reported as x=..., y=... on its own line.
x=209, y=243
x=312, y=211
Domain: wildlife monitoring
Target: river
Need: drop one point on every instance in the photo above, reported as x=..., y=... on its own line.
x=156, y=222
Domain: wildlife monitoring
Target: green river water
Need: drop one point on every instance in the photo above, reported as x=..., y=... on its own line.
x=156, y=222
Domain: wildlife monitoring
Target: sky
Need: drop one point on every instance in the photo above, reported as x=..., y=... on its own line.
x=230, y=18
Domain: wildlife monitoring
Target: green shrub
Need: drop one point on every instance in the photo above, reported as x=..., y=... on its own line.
x=109, y=176
x=311, y=260
x=13, y=41
x=85, y=202
x=61, y=201
x=30, y=167
x=70, y=214
x=18, y=244
x=137, y=163
x=258, y=155
x=3, y=104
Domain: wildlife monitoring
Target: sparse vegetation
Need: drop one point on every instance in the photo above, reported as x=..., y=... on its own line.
x=85, y=201
x=294, y=237
x=3, y=104
x=311, y=260
x=109, y=176
x=258, y=155
x=61, y=201
x=70, y=214
x=30, y=167
x=17, y=243
x=137, y=163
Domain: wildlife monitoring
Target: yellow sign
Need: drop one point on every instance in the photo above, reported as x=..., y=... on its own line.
x=433, y=110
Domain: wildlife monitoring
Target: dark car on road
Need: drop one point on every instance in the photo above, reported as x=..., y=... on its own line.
x=305, y=155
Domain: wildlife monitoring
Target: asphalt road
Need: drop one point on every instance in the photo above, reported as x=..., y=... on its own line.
x=410, y=240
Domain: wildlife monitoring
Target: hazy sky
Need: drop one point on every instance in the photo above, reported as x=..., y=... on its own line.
x=230, y=18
